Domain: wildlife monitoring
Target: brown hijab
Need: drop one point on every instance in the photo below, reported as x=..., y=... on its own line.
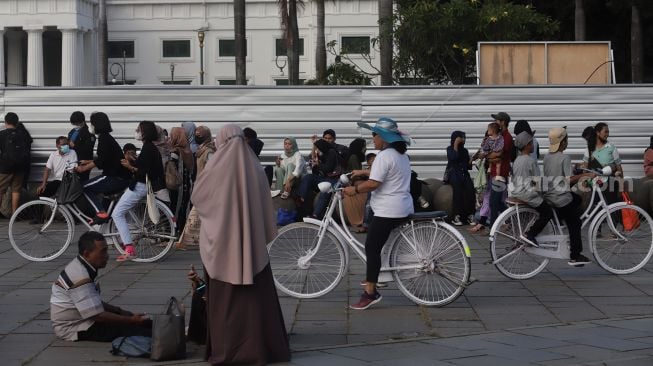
x=205, y=149
x=232, y=197
x=179, y=142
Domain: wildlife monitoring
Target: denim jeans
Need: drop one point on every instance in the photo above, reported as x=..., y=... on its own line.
x=497, y=198
x=128, y=200
x=102, y=184
x=308, y=184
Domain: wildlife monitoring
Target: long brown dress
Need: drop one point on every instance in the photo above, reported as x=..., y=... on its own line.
x=252, y=315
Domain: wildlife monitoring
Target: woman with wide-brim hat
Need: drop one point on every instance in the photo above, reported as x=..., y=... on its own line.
x=391, y=202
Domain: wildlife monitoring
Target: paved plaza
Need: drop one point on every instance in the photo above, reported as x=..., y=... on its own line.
x=563, y=316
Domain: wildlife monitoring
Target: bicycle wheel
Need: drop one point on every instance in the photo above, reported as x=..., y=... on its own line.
x=151, y=241
x=617, y=255
x=37, y=233
x=296, y=274
x=436, y=269
x=518, y=263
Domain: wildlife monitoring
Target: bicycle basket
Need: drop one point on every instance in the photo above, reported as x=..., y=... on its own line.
x=70, y=189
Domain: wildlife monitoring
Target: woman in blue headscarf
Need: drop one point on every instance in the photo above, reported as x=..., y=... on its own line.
x=457, y=174
x=189, y=128
x=290, y=167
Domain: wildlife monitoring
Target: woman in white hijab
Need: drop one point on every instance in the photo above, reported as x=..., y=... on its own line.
x=243, y=313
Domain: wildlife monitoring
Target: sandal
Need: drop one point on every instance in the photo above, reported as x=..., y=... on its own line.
x=478, y=229
x=285, y=195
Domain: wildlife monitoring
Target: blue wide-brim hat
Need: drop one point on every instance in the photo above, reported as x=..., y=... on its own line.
x=387, y=129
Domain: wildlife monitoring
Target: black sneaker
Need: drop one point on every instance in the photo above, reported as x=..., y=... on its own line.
x=579, y=261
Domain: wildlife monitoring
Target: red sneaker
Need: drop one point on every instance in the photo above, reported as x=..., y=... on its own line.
x=366, y=301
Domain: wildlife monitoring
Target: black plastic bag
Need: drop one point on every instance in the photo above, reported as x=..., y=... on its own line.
x=70, y=189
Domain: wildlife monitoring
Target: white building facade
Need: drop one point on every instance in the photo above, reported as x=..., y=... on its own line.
x=55, y=42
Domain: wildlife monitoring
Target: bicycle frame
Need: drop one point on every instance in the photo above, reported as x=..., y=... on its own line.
x=328, y=223
x=73, y=212
x=547, y=243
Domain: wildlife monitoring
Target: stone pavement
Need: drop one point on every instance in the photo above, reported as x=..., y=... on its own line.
x=563, y=316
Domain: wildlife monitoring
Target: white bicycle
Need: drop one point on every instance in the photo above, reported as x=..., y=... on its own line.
x=428, y=258
x=618, y=248
x=41, y=230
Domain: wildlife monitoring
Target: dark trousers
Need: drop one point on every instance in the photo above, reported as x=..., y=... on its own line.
x=464, y=197
x=570, y=215
x=497, y=198
x=51, y=188
x=100, y=332
x=377, y=234
x=544, y=212
x=308, y=184
x=102, y=184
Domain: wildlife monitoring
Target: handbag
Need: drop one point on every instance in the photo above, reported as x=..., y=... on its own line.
x=173, y=177
x=445, y=177
x=191, y=233
x=168, y=338
x=629, y=217
x=152, y=210
x=70, y=188
x=480, y=180
x=285, y=216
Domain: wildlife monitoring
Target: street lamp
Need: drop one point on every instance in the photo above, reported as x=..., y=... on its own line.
x=280, y=67
x=122, y=68
x=200, y=37
x=172, y=73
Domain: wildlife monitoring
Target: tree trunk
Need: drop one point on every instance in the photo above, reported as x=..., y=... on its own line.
x=293, y=44
x=320, y=47
x=385, y=37
x=240, y=42
x=636, y=48
x=580, y=21
x=103, y=41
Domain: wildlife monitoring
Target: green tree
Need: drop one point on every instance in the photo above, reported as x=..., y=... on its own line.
x=437, y=39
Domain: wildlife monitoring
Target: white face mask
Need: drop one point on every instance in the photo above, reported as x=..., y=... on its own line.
x=91, y=129
x=138, y=136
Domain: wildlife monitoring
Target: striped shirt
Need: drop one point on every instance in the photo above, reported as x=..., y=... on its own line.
x=75, y=299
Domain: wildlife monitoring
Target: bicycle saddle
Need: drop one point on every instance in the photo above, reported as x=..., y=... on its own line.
x=428, y=215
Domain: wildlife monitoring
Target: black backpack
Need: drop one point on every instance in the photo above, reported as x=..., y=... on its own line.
x=16, y=150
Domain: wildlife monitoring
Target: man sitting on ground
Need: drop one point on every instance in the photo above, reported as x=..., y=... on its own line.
x=76, y=309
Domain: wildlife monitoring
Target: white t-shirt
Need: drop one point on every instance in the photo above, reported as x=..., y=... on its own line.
x=57, y=163
x=392, y=198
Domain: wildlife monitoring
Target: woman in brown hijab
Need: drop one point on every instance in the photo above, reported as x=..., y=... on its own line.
x=190, y=236
x=232, y=197
x=183, y=157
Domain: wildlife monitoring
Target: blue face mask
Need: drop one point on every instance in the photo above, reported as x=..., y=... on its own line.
x=65, y=149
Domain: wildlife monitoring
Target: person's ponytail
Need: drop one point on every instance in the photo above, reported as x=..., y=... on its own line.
x=400, y=146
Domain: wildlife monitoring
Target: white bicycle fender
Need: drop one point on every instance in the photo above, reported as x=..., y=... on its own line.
x=458, y=235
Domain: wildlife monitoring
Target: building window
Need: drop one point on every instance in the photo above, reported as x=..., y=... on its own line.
x=176, y=82
x=227, y=48
x=282, y=82
x=120, y=49
x=176, y=48
x=355, y=45
x=281, y=47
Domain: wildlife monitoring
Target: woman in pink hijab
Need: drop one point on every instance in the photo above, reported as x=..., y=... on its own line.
x=232, y=196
